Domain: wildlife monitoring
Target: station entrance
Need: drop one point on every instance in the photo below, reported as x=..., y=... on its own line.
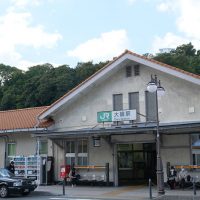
x=136, y=163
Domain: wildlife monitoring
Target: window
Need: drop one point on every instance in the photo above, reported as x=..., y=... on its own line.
x=70, y=152
x=43, y=147
x=128, y=71
x=117, y=102
x=82, y=152
x=11, y=149
x=76, y=152
x=196, y=149
x=134, y=102
x=137, y=70
x=151, y=112
x=196, y=159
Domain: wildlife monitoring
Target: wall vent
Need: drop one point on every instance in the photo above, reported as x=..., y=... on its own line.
x=136, y=70
x=128, y=71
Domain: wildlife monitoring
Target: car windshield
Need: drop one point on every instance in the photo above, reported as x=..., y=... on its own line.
x=6, y=173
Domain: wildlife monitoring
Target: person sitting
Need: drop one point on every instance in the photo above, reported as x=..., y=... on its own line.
x=182, y=177
x=72, y=176
x=172, y=178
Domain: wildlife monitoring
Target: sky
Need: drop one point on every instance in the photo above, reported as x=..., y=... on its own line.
x=61, y=32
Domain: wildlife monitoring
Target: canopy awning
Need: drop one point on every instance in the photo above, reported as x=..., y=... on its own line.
x=139, y=128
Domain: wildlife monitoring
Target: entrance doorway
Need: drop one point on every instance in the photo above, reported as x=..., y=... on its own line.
x=136, y=163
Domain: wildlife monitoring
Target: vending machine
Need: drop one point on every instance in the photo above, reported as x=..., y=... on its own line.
x=39, y=168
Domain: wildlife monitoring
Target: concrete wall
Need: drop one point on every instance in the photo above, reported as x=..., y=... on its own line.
x=25, y=145
x=59, y=159
x=176, y=150
x=2, y=152
x=100, y=156
x=176, y=106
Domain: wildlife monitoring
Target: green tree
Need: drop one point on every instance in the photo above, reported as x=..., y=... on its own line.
x=185, y=57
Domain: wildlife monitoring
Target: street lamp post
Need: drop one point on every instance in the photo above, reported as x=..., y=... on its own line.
x=154, y=86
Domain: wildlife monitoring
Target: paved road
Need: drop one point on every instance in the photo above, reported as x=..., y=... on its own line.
x=54, y=192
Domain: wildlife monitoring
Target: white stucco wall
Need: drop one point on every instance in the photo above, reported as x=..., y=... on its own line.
x=59, y=159
x=180, y=104
x=176, y=150
x=100, y=156
x=2, y=152
x=25, y=145
x=173, y=107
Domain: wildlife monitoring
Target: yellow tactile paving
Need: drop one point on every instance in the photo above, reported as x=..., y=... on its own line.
x=122, y=190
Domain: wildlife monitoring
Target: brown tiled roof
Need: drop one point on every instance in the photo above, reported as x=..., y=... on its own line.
x=22, y=118
x=115, y=59
x=45, y=123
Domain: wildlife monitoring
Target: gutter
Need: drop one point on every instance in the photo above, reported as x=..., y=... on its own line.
x=23, y=130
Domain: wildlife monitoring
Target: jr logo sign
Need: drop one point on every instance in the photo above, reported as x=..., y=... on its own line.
x=104, y=116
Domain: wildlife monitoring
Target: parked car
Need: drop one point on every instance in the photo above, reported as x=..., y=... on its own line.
x=10, y=184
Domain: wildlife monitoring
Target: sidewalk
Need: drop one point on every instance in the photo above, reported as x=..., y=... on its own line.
x=123, y=193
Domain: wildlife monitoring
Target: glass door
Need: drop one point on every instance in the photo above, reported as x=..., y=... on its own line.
x=136, y=163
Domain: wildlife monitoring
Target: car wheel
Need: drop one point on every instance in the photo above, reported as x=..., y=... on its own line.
x=3, y=191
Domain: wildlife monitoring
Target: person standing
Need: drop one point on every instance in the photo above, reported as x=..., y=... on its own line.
x=11, y=167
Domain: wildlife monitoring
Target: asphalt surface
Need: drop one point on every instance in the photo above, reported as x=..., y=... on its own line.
x=140, y=192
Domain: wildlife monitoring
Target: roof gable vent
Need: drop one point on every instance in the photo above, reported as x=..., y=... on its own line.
x=137, y=70
x=128, y=71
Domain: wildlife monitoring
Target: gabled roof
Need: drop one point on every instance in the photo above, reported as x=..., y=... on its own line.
x=127, y=55
x=22, y=119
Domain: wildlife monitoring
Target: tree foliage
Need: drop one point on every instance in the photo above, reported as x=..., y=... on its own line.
x=185, y=57
x=43, y=84
x=40, y=85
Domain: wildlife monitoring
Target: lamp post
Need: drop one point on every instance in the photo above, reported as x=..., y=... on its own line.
x=154, y=86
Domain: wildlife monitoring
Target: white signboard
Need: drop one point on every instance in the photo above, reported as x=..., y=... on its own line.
x=123, y=115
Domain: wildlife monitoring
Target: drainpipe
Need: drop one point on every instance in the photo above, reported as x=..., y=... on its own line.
x=6, y=139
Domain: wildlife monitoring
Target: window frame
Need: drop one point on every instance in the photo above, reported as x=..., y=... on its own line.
x=75, y=156
x=40, y=145
x=151, y=113
x=114, y=102
x=137, y=107
x=11, y=143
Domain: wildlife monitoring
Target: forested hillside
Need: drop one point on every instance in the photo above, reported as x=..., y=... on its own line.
x=185, y=57
x=40, y=85
x=43, y=84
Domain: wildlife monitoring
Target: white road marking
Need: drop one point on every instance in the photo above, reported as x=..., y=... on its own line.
x=57, y=198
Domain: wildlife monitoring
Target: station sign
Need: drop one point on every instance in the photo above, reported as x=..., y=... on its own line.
x=116, y=116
